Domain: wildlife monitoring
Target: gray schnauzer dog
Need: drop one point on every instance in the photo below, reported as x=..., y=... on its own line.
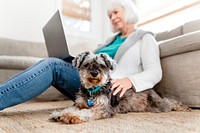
x=95, y=100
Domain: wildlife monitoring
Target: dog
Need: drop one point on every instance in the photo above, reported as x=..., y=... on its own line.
x=95, y=99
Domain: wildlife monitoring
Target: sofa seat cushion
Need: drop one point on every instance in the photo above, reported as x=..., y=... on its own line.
x=17, y=62
x=181, y=44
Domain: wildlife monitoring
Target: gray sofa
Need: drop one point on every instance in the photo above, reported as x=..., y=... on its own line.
x=180, y=52
x=16, y=56
x=180, y=58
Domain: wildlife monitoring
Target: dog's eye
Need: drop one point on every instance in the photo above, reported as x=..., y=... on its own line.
x=102, y=66
x=86, y=65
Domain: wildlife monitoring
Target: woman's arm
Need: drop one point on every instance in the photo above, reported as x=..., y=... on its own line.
x=150, y=58
x=151, y=74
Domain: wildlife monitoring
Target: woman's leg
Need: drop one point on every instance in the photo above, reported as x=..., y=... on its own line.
x=36, y=79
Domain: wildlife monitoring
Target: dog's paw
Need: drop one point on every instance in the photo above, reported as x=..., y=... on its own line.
x=181, y=107
x=81, y=105
x=70, y=119
x=55, y=116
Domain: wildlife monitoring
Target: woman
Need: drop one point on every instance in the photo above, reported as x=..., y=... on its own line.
x=138, y=63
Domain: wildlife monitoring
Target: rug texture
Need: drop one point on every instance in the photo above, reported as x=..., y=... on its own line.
x=32, y=117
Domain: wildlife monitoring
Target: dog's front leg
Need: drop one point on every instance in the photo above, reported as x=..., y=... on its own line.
x=81, y=103
x=71, y=115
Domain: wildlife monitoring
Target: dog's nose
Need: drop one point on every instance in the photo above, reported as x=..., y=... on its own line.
x=94, y=73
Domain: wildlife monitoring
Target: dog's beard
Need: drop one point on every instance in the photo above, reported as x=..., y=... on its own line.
x=90, y=81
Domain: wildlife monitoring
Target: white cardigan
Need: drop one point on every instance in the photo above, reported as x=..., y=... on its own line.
x=140, y=63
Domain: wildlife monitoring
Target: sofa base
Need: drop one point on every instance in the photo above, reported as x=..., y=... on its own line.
x=181, y=78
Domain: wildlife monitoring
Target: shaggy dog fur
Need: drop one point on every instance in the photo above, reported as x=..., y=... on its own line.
x=95, y=100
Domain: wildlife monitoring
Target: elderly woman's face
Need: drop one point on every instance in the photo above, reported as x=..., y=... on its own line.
x=117, y=18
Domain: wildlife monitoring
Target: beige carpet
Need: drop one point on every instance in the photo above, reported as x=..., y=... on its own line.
x=33, y=118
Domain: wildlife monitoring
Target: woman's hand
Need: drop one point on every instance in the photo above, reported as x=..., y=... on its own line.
x=121, y=85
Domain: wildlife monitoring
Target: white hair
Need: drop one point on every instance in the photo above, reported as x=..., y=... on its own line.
x=131, y=12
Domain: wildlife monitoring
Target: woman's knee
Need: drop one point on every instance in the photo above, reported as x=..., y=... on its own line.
x=52, y=61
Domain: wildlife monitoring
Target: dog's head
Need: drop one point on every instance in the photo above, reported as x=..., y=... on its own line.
x=94, y=69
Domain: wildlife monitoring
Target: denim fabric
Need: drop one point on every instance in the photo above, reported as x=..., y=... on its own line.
x=38, y=78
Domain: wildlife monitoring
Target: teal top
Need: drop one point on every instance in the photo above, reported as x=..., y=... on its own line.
x=112, y=48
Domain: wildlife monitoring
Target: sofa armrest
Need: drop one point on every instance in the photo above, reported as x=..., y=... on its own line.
x=22, y=48
x=181, y=44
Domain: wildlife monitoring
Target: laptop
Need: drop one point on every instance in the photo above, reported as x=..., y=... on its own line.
x=55, y=40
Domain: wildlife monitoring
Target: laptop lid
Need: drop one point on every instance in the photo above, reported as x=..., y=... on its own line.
x=55, y=37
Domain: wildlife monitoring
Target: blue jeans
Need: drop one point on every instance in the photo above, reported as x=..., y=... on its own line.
x=38, y=78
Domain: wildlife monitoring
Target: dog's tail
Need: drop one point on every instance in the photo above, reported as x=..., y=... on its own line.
x=159, y=104
x=174, y=105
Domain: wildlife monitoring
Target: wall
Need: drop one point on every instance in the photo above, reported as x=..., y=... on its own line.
x=24, y=19
x=106, y=25
x=171, y=22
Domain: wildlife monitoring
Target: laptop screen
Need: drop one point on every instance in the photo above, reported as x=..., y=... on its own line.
x=55, y=37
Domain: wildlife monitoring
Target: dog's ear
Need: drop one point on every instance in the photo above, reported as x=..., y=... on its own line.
x=111, y=64
x=78, y=60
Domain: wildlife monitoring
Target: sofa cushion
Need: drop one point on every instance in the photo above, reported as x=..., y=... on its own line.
x=169, y=34
x=181, y=44
x=191, y=26
x=22, y=48
x=17, y=62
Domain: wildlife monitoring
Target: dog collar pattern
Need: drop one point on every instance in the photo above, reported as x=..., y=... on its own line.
x=92, y=91
x=90, y=102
